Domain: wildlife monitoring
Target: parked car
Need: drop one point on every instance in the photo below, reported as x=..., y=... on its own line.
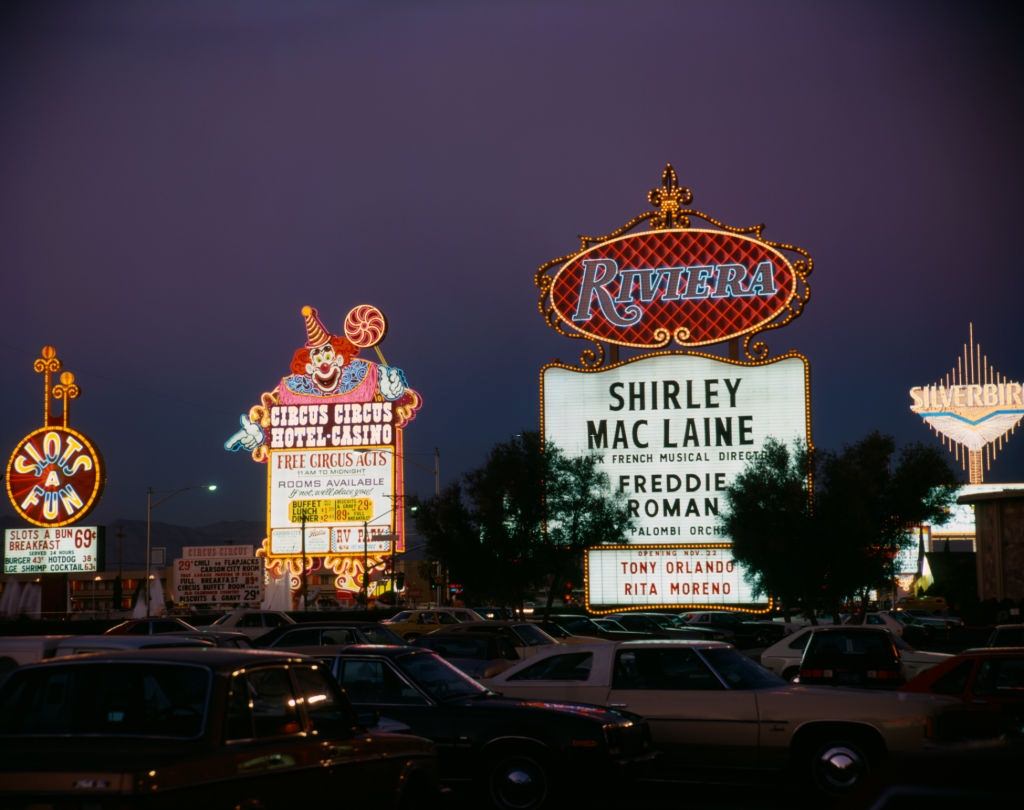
x=410, y=624
x=660, y=625
x=492, y=613
x=517, y=755
x=864, y=657
x=311, y=634
x=1006, y=635
x=783, y=658
x=525, y=637
x=479, y=655
x=989, y=685
x=218, y=638
x=910, y=631
x=78, y=645
x=577, y=625
x=931, y=618
x=726, y=621
x=209, y=728
x=150, y=626
x=254, y=623
x=709, y=707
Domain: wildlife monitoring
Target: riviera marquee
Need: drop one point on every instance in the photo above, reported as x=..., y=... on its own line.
x=672, y=428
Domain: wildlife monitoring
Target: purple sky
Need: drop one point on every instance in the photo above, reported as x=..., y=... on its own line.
x=178, y=179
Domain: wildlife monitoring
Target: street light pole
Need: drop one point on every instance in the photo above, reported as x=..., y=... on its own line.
x=305, y=586
x=366, y=574
x=149, y=535
x=150, y=506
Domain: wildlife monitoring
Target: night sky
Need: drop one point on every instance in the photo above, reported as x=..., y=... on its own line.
x=178, y=179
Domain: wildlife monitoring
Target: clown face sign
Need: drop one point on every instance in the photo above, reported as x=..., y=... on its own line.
x=330, y=434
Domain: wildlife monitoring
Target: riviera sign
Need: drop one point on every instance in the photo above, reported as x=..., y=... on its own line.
x=688, y=285
x=673, y=429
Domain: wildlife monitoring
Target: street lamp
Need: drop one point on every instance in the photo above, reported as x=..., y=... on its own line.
x=150, y=506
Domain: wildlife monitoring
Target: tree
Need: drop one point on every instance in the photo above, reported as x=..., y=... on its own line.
x=817, y=548
x=866, y=501
x=522, y=518
x=770, y=520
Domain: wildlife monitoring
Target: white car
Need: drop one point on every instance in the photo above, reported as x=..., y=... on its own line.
x=709, y=706
x=783, y=657
x=254, y=623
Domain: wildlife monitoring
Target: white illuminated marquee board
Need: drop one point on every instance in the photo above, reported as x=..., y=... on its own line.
x=218, y=575
x=652, y=576
x=672, y=431
x=42, y=550
x=339, y=491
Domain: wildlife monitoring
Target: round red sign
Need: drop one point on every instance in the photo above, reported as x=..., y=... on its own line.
x=54, y=476
x=689, y=285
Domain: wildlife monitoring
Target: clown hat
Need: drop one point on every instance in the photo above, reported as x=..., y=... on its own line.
x=316, y=334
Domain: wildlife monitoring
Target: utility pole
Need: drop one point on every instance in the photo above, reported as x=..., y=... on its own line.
x=366, y=573
x=305, y=589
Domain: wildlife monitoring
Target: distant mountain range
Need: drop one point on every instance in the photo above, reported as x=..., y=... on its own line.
x=126, y=539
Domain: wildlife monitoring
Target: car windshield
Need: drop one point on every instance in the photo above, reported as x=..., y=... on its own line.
x=578, y=624
x=532, y=636
x=438, y=678
x=221, y=619
x=109, y=700
x=381, y=635
x=739, y=671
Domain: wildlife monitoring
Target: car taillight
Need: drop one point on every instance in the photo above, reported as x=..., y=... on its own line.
x=884, y=674
x=816, y=673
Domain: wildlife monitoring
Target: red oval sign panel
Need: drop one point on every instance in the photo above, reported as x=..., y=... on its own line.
x=54, y=476
x=688, y=285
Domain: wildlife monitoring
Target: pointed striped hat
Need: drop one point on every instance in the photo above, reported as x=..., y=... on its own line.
x=316, y=334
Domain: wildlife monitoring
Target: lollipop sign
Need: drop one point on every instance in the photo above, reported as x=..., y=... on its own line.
x=330, y=434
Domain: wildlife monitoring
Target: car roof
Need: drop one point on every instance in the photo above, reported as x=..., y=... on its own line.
x=1009, y=627
x=847, y=628
x=992, y=652
x=385, y=650
x=326, y=625
x=214, y=657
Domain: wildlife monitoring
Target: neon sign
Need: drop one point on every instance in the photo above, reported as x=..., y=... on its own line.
x=974, y=409
x=676, y=283
x=690, y=286
x=55, y=474
x=673, y=429
x=331, y=435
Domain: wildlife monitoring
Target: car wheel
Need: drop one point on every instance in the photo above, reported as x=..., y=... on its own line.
x=838, y=765
x=518, y=781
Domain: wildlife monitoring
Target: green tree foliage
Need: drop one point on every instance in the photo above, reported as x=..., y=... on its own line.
x=772, y=526
x=521, y=520
x=816, y=549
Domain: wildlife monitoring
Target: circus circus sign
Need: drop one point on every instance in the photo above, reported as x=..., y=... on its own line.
x=331, y=435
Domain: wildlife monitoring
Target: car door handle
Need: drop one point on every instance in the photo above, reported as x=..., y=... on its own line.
x=617, y=705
